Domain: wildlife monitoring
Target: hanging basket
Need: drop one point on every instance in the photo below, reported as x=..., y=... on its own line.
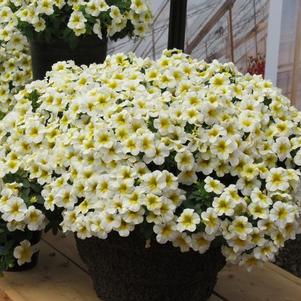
x=34, y=241
x=122, y=269
x=89, y=49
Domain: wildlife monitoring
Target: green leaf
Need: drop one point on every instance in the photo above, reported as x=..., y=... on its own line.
x=146, y=230
x=34, y=97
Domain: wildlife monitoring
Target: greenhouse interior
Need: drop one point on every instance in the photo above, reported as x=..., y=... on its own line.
x=149, y=150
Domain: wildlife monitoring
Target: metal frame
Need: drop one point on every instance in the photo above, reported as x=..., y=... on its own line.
x=273, y=40
x=177, y=24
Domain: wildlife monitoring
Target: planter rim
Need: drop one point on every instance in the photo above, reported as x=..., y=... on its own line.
x=61, y=41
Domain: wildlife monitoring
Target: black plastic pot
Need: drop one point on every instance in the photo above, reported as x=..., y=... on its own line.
x=289, y=257
x=35, y=239
x=122, y=269
x=90, y=49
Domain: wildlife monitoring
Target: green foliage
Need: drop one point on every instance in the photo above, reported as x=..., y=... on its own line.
x=150, y=125
x=122, y=4
x=146, y=230
x=267, y=101
x=127, y=31
x=198, y=198
x=54, y=220
x=34, y=97
x=8, y=242
x=30, y=192
x=26, y=29
x=170, y=163
x=189, y=128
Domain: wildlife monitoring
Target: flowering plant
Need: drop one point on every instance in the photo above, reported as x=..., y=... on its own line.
x=15, y=65
x=19, y=219
x=22, y=218
x=19, y=216
x=49, y=20
x=185, y=151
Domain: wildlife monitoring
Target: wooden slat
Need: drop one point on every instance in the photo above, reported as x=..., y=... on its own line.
x=4, y=296
x=262, y=284
x=290, y=277
x=65, y=244
x=215, y=298
x=54, y=279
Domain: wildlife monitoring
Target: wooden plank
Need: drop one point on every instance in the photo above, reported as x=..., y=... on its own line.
x=55, y=278
x=275, y=269
x=65, y=244
x=215, y=298
x=11, y=295
x=262, y=284
x=4, y=296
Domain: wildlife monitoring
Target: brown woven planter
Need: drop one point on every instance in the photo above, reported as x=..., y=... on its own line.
x=122, y=269
x=289, y=257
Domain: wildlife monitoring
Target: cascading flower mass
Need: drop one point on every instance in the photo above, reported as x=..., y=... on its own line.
x=195, y=152
x=15, y=65
x=52, y=20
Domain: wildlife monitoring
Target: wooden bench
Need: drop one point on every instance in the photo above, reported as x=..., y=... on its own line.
x=61, y=276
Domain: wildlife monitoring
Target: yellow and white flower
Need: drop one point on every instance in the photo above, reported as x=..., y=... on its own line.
x=282, y=148
x=188, y=220
x=213, y=185
x=23, y=252
x=223, y=206
x=14, y=210
x=277, y=179
x=34, y=219
x=211, y=221
x=201, y=242
x=165, y=232
x=282, y=214
x=185, y=160
x=241, y=227
x=222, y=148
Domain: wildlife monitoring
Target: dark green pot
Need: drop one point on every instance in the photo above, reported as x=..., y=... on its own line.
x=90, y=49
x=35, y=239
